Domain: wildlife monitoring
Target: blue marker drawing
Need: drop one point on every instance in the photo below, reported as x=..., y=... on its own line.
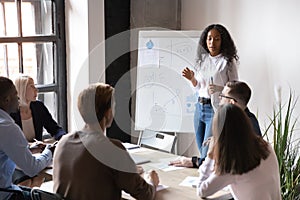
x=149, y=44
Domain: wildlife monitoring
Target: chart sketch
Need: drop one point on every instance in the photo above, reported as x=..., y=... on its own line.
x=164, y=99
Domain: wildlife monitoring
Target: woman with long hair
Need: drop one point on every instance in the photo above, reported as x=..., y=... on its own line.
x=239, y=158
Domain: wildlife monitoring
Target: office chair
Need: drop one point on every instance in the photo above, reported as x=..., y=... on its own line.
x=38, y=194
x=18, y=193
x=157, y=140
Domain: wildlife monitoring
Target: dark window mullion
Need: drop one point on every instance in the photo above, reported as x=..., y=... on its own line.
x=5, y=56
x=19, y=18
x=55, y=51
x=56, y=37
x=59, y=30
x=54, y=18
x=47, y=88
x=20, y=52
x=20, y=34
x=54, y=44
x=52, y=38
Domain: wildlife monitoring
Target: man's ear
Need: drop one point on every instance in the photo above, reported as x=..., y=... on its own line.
x=107, y=113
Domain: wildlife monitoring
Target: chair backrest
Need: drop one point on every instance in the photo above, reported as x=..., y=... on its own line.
x=38, y=194
x=157, y=140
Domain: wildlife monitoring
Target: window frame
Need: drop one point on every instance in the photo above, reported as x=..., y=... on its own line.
x=59, y=87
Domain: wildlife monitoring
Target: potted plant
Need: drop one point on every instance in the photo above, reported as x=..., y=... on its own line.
x=282, y=128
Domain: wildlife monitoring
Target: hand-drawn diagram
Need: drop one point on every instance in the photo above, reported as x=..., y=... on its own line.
x=164, y=99
x=160, y=109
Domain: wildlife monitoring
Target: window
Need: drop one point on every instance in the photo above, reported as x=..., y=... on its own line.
x=32, y=41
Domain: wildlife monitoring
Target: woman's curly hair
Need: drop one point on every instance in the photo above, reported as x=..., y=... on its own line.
x=228, y=48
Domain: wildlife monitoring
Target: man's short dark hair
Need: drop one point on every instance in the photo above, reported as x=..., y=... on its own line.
x=239, y=90
x=5, y=86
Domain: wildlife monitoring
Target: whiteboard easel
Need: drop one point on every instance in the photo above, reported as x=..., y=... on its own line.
x=164, y=99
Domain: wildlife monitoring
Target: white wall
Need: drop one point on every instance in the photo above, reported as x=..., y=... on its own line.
x=85, y=51
x=267, y=36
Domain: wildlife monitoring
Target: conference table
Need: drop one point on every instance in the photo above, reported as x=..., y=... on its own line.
x=170, y=177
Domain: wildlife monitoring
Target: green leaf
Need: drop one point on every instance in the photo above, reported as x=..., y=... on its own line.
x=282, y=126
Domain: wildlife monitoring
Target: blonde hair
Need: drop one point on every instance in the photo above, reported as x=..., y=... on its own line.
x=21, y=83
x=94, y=101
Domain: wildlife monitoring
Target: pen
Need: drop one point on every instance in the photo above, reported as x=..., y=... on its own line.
x=35, y=140
x=35, y=144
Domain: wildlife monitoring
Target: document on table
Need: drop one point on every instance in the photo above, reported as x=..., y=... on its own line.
x=47, y=186
x=168, y=167
x=138, y=160
x=190, y=181
x=130, y=146
x=164, y=166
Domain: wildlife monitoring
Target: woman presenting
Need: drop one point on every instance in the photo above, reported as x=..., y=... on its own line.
x=216, y=65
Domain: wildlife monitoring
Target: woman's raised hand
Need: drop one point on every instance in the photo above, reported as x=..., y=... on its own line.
x=188, y=74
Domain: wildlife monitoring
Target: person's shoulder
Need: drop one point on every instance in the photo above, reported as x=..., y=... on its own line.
x=12, y=128
x=249, y=113
x=38, y=106
x=118, y=143
x=69, y=136
x=37, y=103
x=204, y=55
x=6, y=120
x=231, y=64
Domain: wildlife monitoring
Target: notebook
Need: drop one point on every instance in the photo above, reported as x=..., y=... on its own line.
x=130, y=146
x=138, y=160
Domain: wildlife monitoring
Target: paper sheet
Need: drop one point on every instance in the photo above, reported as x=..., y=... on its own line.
x=190, y=181
x=130, y=146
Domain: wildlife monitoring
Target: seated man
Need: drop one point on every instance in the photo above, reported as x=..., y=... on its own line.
x=234, y=92
x=88, y=165
x=13, y=145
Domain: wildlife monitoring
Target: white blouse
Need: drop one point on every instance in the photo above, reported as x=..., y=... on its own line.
x=28, y=129
x=262, y=182
x=214, y=69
